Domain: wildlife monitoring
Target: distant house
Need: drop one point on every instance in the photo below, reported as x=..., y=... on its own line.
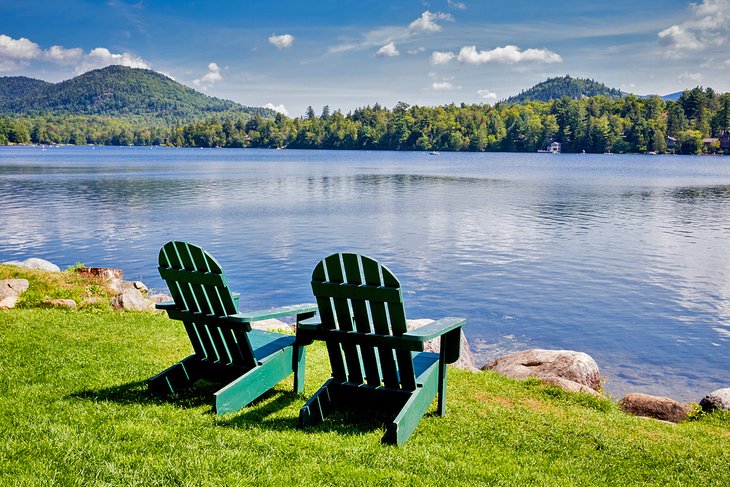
x=710, y=143
x=555, y=147
x=671, y=142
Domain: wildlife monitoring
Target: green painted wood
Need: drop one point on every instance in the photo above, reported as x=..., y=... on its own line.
x=372, y=274
x=363, y=323
x=226, y=348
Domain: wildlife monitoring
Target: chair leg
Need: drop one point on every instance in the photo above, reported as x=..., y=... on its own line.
x=442, y=385
x=298, y=359
x=248, y=387
x=318, y=407
x=176, y=377
x=411, y=413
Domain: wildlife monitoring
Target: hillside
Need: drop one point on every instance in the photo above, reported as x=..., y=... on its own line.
x=14, y=87
x=115, y=91
x=573, y=88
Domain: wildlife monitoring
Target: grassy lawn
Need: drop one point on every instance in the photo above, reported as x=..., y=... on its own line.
x=74, y=410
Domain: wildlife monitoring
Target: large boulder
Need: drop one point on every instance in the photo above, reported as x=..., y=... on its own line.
x=569, y=370
x=34, y=263
x=131, y=299
x=10, y=291
x=719, y=399
x=466, y=359
x=661, y=408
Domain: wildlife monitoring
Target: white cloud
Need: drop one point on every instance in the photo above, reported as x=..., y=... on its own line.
x=506, y=55
x=17, y=53
x=694, y=77
x=277, y=108
x=283, y=41
x=438, y=57
x=61, y=55
x=388, y=50
x=210, y=78
x=708, y=26
x=102, y=57
x=456, y=5
x=442, y=85
x=417, y=50
x=487, y=95
x=427, y=22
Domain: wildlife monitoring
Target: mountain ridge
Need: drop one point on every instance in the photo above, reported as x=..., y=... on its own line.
x=116, y=91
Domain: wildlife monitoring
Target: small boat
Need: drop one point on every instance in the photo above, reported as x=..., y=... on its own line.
x=434, y=153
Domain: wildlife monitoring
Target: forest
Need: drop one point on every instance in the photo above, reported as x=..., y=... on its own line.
x=595, y=124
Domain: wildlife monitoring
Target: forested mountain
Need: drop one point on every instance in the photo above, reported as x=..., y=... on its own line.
x=116, y=91
x=573, y=88
x=14, y=87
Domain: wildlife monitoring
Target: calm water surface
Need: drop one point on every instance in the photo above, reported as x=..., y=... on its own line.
x=623, y=257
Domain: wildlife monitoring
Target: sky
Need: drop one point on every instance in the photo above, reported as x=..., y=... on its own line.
x=292, y=54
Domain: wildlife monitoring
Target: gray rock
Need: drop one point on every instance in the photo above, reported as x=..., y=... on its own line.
x=555, y=366
x=272, y=324
x=60, y=303
x=131, y=299
x=140, y=285
x=159, y=297
x=719, y=399
x=10, y=291
x=661, y=408
x=33, y=263
x=466, y=359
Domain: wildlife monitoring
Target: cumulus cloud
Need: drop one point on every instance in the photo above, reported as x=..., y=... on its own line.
x=210, y=78
x=427, y=22
x=488, y=96
x=694, y=77
x=283, y=41
x=277, y=108
x=501, y=55
x=708, y=26
x=102, y=57
x=17, y=53
x=438, y=57
x=61, y=55
x=442, y=85
x=388, y=50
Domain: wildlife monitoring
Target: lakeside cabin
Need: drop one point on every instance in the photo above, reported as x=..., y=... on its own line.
x=553, y=148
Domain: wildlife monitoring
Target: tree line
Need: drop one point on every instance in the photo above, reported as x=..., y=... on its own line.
x=595, y=124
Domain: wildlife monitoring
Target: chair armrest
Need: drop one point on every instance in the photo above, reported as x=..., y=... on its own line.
x=264, y=314
x=435, y=329
x=310, y=324
x=166, y=305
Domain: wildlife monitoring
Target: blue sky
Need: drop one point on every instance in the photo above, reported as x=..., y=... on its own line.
x=347, y=54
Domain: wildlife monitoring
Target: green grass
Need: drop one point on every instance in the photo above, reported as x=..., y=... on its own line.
x=74, y=410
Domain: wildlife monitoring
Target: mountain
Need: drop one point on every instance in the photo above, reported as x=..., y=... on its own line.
x=574, y=88
x=13, y=87
x=672, y=96
x=116, y=91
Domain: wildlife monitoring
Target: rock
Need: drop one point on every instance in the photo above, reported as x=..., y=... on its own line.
x=60, y=303
x=131, y=299
x=555, y=366
x=38, y=264
x=91, y=300
x=719, y=399
x=272, y=324
x=10, y=291
x=111, y=277
x=140, y=285
x=661, y=408
x=159, y=297
x=466, y=359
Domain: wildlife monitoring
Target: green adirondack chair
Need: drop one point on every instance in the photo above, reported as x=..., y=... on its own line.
x=377, y=363
x=226, y=347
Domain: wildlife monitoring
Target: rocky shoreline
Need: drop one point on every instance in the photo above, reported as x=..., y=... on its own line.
x=569, y=370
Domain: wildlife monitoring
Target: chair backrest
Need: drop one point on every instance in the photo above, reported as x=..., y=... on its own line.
x=202, y=301
x=356, y=294
x=195, y=279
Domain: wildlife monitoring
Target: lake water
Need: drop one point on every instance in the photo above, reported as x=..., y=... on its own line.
x=623, y=257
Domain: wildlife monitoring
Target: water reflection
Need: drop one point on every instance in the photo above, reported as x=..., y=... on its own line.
x=624, y=259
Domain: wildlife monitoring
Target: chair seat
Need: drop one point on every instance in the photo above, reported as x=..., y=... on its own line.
x=266, y=343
